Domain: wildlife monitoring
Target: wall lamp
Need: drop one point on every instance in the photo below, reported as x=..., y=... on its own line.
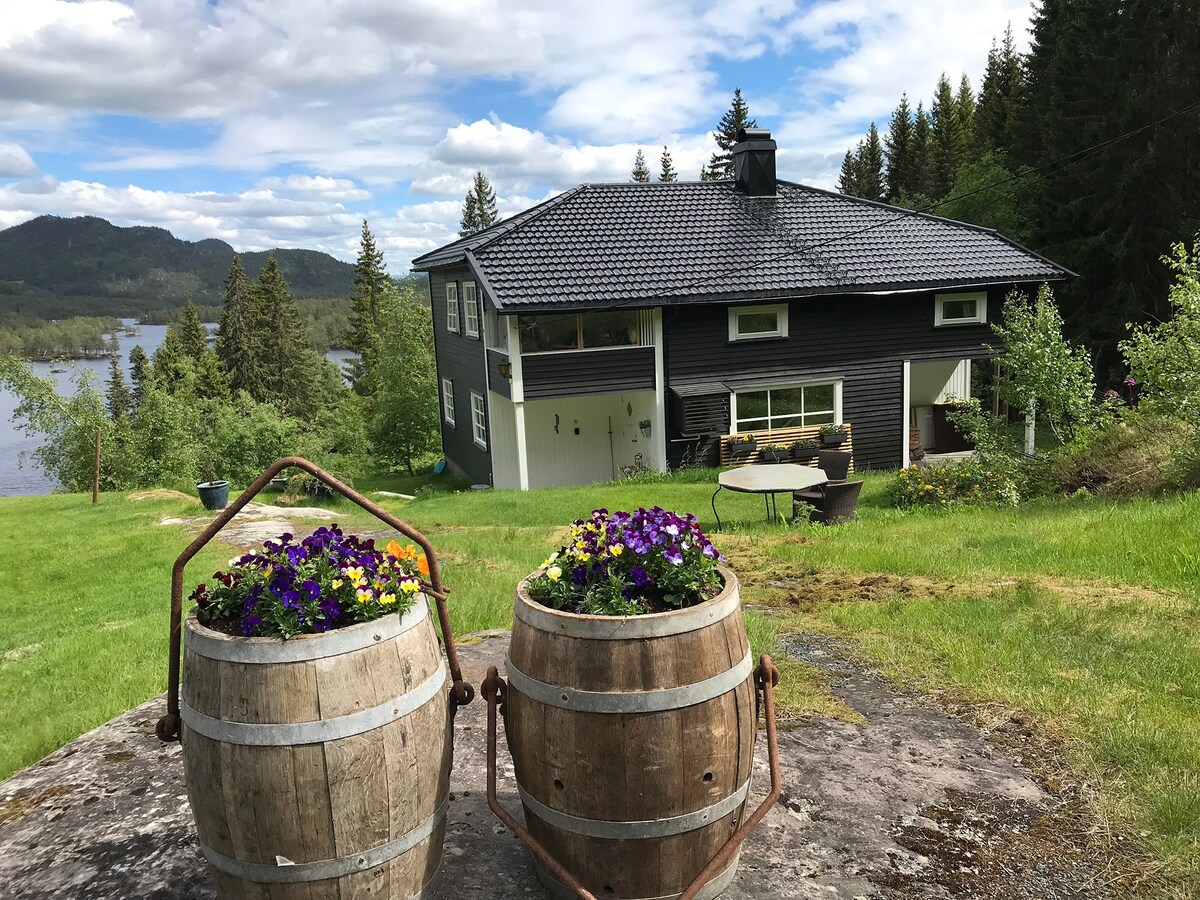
x=505, y=369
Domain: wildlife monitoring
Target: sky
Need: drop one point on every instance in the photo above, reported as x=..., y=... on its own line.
x=285, y=123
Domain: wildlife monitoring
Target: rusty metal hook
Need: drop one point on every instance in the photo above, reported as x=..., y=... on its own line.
x=461, y=692
x=766, y=677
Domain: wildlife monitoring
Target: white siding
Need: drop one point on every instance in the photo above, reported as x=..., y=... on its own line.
x=506, y=473
x=563, y=457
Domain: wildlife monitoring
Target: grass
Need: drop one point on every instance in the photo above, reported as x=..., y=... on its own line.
x=1083, y=612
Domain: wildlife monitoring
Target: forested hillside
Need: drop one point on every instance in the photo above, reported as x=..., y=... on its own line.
x=54, y=267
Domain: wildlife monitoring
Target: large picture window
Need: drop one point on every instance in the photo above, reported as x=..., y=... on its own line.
x=749, y=323
x=794, y=406
x=589, y=331
x=471, y=306
x=452, y=307
x=478, y=421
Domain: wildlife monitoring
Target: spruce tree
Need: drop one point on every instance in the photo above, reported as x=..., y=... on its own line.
x=479, y=207
x=922, y=153
x=964, y=100
x=169, y=364
x=289, y=363
x=238, y=335
x=848, y=178
x=948, y=139
x=737, y=117
x=139, y=374
x=369, y=281
x=898, y=145
x=1001, y=99
x=870, y=166
x=667, y=171
x=193, y=337
x=641, y=172
x=117, y=398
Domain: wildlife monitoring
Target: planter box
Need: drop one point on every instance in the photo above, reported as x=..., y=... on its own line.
x=805, y=454
x=833, y=440
x=775, y=456
x=318, y=757
x=573, y=681
x=742, y=448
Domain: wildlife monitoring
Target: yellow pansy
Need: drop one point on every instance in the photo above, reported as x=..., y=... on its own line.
x=379, y=585
x=387, y=599
x=554, y=573
x=363, y=596
x=354, y=573
x=336, y=583
x=616, y=549
x=410, y=585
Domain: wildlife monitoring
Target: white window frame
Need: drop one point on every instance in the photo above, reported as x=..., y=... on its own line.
x=448, y=401
x=479, y=420
x=980, y=317
x=495, y=330
x=452, y=306
x=837, y=400
x=781, y=313
x=471, y=308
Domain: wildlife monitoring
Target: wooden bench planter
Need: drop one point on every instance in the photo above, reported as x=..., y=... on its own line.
x=780, y=436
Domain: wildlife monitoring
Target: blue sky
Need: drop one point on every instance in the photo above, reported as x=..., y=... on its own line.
x=285, y=122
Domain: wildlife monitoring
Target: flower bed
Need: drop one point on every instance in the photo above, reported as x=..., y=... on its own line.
x=961, y=483
x=629, y=563
x=327, y=580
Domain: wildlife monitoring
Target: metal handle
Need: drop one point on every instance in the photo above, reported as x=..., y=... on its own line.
x=461, y=692
x=766, y=677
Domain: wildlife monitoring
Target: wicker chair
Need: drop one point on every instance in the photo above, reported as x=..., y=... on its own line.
x=836, y=466
x=839, y=503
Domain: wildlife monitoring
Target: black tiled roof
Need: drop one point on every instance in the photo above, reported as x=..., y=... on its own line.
x=650, y=244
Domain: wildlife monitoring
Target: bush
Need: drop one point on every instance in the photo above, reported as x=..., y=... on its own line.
x=967, y=482
x=1132, y=454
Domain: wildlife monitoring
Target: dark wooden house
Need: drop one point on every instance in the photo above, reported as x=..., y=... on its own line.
x=618, y=324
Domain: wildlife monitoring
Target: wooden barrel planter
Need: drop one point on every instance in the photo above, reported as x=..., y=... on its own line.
x=632, y=741
x=319, y=766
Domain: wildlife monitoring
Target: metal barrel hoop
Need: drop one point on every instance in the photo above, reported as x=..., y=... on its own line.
x=766, y=677
x=460, y=692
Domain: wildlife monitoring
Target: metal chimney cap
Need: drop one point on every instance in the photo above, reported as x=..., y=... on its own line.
x=753, y=134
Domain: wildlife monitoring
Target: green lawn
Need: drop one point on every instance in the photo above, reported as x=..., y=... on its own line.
x=1082, y=612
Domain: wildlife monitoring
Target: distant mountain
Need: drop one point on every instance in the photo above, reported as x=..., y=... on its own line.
x=53, y=267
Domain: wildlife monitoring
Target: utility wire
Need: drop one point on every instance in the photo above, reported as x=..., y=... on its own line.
x=1043, y=171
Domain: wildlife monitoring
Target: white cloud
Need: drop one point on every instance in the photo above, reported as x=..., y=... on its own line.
x=15, y=162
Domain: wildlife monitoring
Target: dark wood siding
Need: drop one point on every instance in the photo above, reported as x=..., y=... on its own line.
x=462, y=360
x=496, y=381
x=587, y=372
x=862, y=340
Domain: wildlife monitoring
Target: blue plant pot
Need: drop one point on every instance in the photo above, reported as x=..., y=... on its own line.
x=214, y=494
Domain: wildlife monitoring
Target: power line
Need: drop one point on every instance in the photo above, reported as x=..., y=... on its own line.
x=1044, y=171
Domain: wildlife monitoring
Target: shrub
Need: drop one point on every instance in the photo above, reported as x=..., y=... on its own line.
x=1132, y=454
x=967, y=482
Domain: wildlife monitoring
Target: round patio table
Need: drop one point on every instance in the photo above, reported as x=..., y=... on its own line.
x=767, y=480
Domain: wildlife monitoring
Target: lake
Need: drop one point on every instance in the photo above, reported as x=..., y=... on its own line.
x=16, y=479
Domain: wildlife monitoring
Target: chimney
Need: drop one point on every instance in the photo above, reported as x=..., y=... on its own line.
x=754, y=162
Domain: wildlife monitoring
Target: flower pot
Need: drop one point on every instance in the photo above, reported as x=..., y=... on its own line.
x=805, y=454
x=742, y=448
x=330, y=750
x=277, y=484
x=833, y=440
x=775, y=456
x=214, y=494
x=673, y=691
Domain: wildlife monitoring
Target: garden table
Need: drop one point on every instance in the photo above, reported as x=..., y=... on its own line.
x=767, y=480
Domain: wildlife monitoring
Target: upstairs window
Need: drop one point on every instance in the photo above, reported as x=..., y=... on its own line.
x=452, y=307
x=448, y=401
x=471, y=301
x=749, y=323
x=960, y=309
x=495, y=328
x=589, y=331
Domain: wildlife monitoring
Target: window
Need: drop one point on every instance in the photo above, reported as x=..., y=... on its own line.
x=496, y=330
x=768, y=409
x=471, y=296
x=452, y=307
x=590, y=331
x=478, y=421
x=960, y=309
x=448, y=401
x=748, y=323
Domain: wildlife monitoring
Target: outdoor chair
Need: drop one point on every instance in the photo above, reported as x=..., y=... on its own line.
x=839, y=503
x=836, y=466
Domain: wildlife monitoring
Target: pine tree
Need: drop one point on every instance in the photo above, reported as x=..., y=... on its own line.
x=1001, y=98
x=848, y=178
x=948, y=139
x=899, y=173
x=139, y=374
x=870, y=166
x=369, y=280
x=667, y=168
x=737, y=117
x=117, y=398
x=479, y=207
x=641, y=172
x=193, y=337
x=238, y=336
x=289, y=363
